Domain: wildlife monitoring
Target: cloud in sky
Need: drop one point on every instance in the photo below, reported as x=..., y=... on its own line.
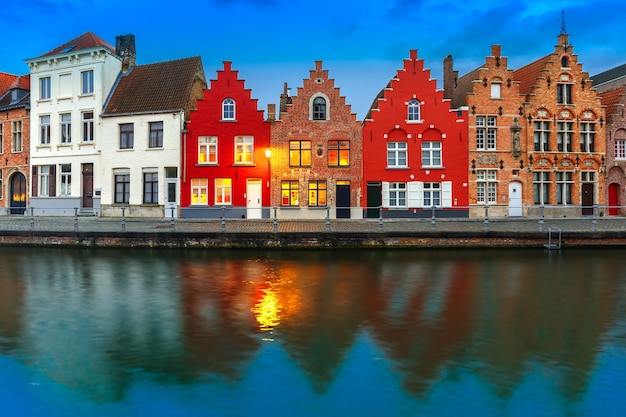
x=362, y=43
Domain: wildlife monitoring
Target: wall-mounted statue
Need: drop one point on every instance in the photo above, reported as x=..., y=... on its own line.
x=516, y=148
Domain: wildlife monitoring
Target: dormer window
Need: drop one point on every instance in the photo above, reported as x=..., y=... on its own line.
x=228, y=109
x=13, y=96
x=319, y=108
x=413, y=108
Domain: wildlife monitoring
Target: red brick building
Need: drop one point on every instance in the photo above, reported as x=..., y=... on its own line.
x=615, y=101
x=225, y=154
x=14, y=143
x=414, y=148
x=316, y=152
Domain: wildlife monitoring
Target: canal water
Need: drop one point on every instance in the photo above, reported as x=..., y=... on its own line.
x=107, y=332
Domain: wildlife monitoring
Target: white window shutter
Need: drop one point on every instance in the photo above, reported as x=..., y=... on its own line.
x=446, y=194
x=415, y=191
x=385, y=194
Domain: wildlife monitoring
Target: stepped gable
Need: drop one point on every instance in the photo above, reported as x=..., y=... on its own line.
x=160, y=87
x=87, y=40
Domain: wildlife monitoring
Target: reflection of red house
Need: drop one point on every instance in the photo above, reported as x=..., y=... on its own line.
x=414, y=148
x=225, y=167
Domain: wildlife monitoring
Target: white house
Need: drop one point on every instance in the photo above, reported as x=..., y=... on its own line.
x=143, y=123
x=69, y=85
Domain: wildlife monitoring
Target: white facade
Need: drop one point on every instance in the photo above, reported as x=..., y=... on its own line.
x=129, y=169
x=67, y=94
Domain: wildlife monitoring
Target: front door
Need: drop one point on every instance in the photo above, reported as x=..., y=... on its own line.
x=614, y=199
x=18, y=193
x=587, y=199
x=374, y=199
x=254, y=194
x=515, y=199
x=171, y=192
x=343, y=199
x=87, y=172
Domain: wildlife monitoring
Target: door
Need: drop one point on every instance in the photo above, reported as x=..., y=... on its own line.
x=87, y=199
x=614, y=199
x=374, y=199
x=18, y=193
x=515, y=199
x=171, y=192
x=587, y=199
x=254, y=194
x=343, y=199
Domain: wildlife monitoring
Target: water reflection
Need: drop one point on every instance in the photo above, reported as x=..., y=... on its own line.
x=93, y=320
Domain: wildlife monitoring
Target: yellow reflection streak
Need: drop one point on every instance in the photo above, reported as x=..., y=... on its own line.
x=267, y=310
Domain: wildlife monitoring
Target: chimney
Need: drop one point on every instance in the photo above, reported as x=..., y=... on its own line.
x=125, y=48
x=285, y=99
x=271, y=112
x=449, y=77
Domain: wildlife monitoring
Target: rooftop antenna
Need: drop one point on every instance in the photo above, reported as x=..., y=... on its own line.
x=563, y=31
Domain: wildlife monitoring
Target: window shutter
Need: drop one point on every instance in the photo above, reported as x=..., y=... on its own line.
x=385, y=194
x=35, y=181
x=415, y=194
x=52, y=192
x=446, y=194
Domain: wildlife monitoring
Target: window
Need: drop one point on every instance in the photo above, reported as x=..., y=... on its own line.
x=564, y=185
x=485, y=133
x=495, y=90
x=588, y=176
x=317, y=193
x=487, y=186
x=431, y=154
x=289, y=193
x=223, y=191
x=432, y=194
x=542, y=136
x=1, y=185
x=127, y=135
x=414, y=110
x=397, y=194
x=319, y=108
x=207, y=149
x=338, y=153
x=541, y=187
x=150, y=187
x=44, y=130
x=199, y=190
x=564, y=62
x=87, y=82
x=44, y=180
x=156, y=135
x=66, y=179
x=1, y=142
x=228, y=109
x=244, y=149
x=122, y=187
x=396, y=155
x=66, y=128
x=564, y=138
x=44, y=88
x=16, y=142
x=587, y=137
x=564, y=93
x=620, y=149
x=87, y=126
x=300, y=153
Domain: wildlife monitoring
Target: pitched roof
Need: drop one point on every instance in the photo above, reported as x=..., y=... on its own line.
x=87, y=40
x=154, y=88
x=609, y=75
x=528, y=74
x=464, y=85
x=6, y=80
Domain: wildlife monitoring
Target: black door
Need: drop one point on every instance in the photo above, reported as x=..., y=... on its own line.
x=343, y=200
x=18, y=194
x=587, y=198
x=374, y=199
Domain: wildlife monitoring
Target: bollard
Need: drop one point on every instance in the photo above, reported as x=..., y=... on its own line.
x=594, y=218
x=123, y=220
x=275, y=220
x=541, y=218
x=432, y=219
x=486, y=225
x=223, y=219
x=76, y=219
x=327, y=218
x=380, y=218
x=172, y=220
x=32, y=218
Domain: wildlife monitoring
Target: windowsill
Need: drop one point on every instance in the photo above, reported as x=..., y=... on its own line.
x=44, y=100
x=86, y=144
x=199, y=205
x=290, y=207
x=338, y=166
x=84, y=95
x=43, y=146
x=244, y=164
x=207, y=164
x=154, y=148
x=149, y=205
x=416, y=122
x=397, y=168
x=66, y=98
x=433, y=167
x=228, y=120
x=126, y=149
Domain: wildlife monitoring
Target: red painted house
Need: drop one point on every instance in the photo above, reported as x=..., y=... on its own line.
x=414, y=149
x=225, y=166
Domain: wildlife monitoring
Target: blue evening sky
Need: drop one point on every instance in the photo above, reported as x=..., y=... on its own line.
x=361, y=42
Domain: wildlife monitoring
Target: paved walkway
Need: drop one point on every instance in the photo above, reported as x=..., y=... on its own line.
x=153, y=225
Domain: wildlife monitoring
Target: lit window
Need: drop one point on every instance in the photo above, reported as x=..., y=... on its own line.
x=338, y=153
x=207, y=149
x=317, y=193
x=199, y=190
x=289, y=193
x=223, y=191
x=300, y=153
x=244, y=149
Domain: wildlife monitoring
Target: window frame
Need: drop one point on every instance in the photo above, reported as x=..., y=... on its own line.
x=44, y=130
x=413, y=110
x=338, y=153
x=87, y=124
x=290, y=193
x=223, y=188
x=199, y=192
x=228, y=109
x=155, y=135
x=319, y=108
x=496, y=90
x=244, y=150
x=318, y=193
x=150, y=187
x=564, y=93
x=207, y=146
x=65, y=179
x=432, y=154
x=45, y=84
x=126, y=136
x=541, y=187
x=87, y=82
x=564, y=187
x=397, y=154
x=620, y=148
x=398, y=195
x=587, y=137
x=65, y=128
x=565, y=135
x=121, y=187
x=300, y=153
x=16, y=136
x=541, y=135
x=486, y=186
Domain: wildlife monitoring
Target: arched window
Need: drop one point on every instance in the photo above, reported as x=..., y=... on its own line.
x=564, y=62
x=319, y=108
x=228, y=109
x=414, y=109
